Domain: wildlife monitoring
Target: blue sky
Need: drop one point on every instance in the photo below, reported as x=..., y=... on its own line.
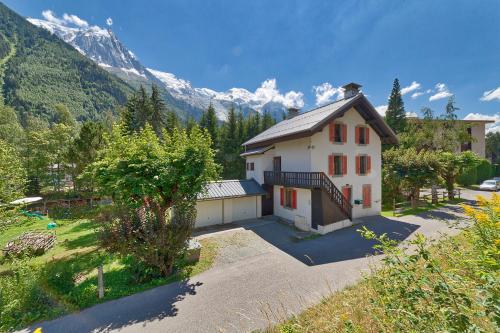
x=445, y=47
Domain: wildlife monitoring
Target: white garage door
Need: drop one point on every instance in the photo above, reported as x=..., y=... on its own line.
x=208, y=213
x=244, y=208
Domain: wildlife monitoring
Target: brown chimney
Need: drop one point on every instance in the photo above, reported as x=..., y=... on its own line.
x=351, y=89
x=292, y=112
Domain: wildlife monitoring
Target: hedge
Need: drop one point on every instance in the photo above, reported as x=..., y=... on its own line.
x=485, y=170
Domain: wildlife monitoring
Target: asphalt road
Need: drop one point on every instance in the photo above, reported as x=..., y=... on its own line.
x=278, y=278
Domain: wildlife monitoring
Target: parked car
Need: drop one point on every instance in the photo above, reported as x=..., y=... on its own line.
x=490, y=185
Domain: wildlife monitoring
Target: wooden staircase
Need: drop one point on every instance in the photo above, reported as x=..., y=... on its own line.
x=310, y=180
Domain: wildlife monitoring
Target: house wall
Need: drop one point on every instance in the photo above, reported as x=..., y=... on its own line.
x=478, y=132
x=322, y=147
x=303, y=205
x=262, y=162
x=311, y=154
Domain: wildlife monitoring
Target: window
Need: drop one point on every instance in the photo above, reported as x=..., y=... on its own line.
x=337, y=165
x=362, y=135
x=363, y=165
x=252, y=166
x=367, y=196
x=338, y=132
x=466, y=146
x=288, y=198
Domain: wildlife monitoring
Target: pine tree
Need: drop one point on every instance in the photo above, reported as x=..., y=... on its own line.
x=396, y=115
x=230, y=152
x=157, y=117
x=172, y=121
x=209, y=123
x=190, y=124
x=267, y=120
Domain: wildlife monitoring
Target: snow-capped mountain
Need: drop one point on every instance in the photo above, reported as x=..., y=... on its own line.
x=102, y=46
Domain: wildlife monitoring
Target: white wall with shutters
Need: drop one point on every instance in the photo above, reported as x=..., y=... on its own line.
x=303, y=205
x=323, y=147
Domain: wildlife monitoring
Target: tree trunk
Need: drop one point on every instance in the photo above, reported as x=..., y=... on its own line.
x=450, y=188
x=413, y=201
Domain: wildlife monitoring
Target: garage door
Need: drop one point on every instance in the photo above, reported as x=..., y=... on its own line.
x=244, y=208
x=208, y=213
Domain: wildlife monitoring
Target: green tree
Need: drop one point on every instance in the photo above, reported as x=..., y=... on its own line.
x=493, y=146
x=10, y=129
x=395, y=115
x=172, y=121
x=230, y=148
x=453, y=165
x=156, y=183
x=267, y=120
x=12, y=173
x=209, y=122
x=36, y=153
x=157, y=117
x=63, y=116
x=409, y=170
x=84, y=151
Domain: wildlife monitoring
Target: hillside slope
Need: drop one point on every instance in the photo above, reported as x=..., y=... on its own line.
x=40, y=71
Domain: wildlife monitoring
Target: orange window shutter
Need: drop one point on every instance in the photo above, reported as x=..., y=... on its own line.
x=367, y=135
x=344, y=133
x=282, y=196
x=330, y=165
x=357, y=164
x=331, y=131
x=294, y=199
x=344, y=164
x=368, y=164
x=357, y=135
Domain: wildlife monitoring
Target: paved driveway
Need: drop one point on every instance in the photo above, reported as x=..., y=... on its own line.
x=268, y=277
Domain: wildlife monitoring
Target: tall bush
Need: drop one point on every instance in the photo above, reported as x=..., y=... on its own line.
x=155, y=183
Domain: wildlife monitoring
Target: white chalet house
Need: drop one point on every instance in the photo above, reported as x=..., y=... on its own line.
x=321, y=169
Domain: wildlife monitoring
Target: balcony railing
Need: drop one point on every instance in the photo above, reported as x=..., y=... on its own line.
x=310, y=180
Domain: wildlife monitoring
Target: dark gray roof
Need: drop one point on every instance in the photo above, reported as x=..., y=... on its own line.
x=231, y=189
x=256, y=151
x=307, y=123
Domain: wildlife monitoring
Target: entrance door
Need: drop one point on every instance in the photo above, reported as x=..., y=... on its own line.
x=277, y=164
x=267, y=200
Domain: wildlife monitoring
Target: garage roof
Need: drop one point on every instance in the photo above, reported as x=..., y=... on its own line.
x=231, y=189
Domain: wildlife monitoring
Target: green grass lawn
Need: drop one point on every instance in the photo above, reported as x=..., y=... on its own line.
x=66, y=275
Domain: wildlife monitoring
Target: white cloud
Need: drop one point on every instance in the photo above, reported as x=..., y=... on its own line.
x=417, y=94
x=412, y=114
x=325, y=92
x=494, y=127
x=412, y=87
x=51, y=17
x=441, y=92
x=381, y=109
x=268, y=92
x=66, y=19
x=109, y=21
x=73, y=19
x=491, y=95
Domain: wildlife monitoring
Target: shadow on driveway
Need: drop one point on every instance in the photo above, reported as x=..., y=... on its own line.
x=151, y=305
x=340, y=245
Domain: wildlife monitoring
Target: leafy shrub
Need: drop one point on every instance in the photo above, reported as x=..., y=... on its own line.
x=451, y=286
x=468, y=178
x=22, y=299
x=484, y=171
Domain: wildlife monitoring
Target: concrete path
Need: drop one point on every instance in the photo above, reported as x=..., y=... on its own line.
x=266, y=279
